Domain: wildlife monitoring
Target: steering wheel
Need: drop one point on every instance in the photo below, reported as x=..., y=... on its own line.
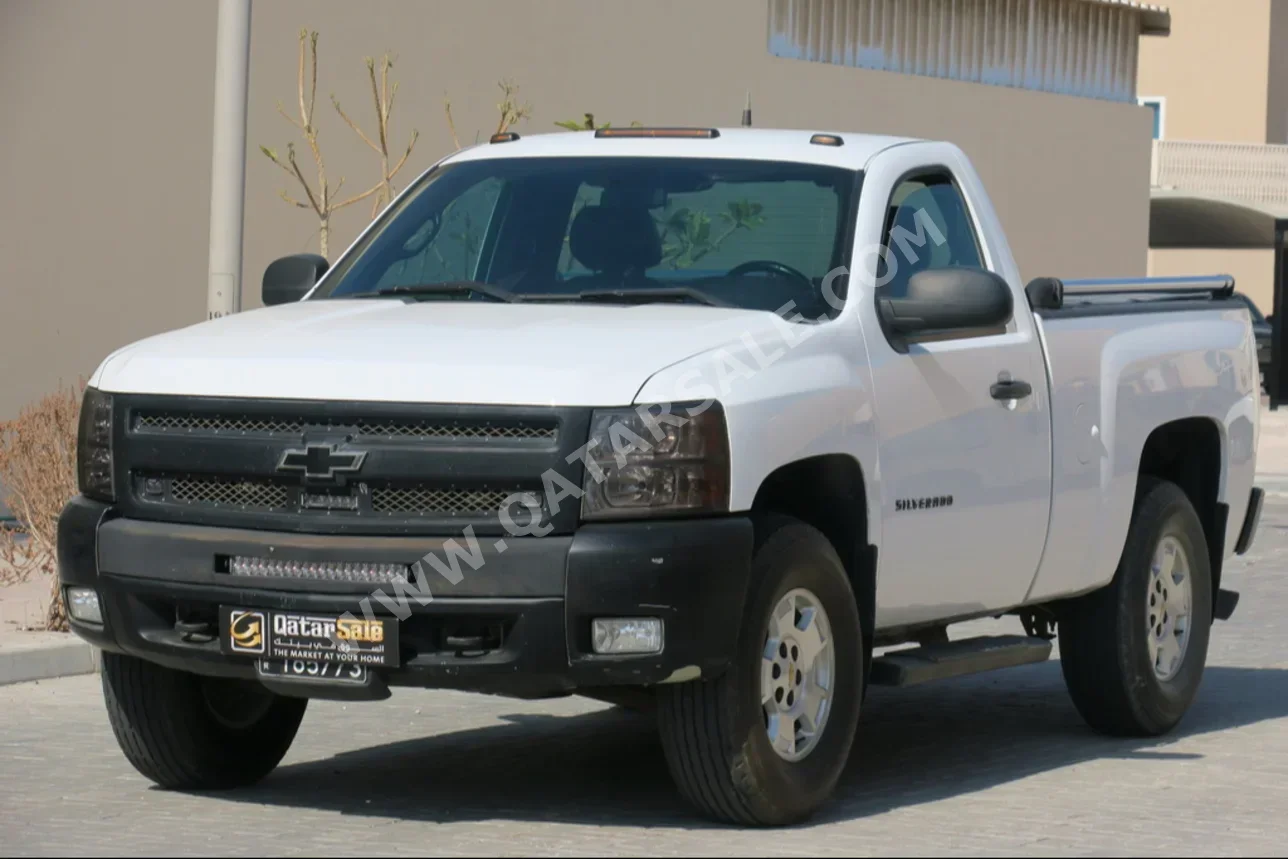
x=807, y=296
x=770, y=266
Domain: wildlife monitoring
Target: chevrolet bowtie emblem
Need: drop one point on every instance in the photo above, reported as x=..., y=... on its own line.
x=320, y=462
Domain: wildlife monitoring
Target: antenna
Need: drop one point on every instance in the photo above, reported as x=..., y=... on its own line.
x=746, y=112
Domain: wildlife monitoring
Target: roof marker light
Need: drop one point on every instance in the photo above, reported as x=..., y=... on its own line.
x=826, y=140
x=504, y=137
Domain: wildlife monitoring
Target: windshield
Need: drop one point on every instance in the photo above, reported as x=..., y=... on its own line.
x=750, y=234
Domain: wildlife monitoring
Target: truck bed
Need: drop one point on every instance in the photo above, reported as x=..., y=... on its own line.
x=1126, y=357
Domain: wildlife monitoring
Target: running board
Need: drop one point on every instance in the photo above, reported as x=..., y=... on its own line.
x=957, y=659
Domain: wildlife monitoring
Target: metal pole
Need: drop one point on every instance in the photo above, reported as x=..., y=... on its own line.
x=1279, y=307
x=228, y=163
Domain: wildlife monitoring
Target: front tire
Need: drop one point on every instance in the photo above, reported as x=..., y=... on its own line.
x=187, y=732
x=1133, y=652
x=765, y=743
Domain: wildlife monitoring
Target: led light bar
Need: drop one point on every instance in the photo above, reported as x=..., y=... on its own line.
x=707, y=133
x=328, y=571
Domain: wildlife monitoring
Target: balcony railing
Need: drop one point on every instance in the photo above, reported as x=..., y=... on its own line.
x=1242, y=171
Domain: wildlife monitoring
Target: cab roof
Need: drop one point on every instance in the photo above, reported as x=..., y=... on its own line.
x=762, y=144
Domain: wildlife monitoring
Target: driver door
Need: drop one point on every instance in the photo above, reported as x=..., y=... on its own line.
x=965, y=476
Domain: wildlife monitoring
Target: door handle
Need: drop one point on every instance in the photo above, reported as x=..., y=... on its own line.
x=1011, y=390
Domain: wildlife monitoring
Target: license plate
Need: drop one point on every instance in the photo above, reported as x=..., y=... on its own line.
x=291, y=636
x=299, y=669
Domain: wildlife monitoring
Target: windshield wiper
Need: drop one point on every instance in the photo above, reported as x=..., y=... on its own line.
x=450, y=287
x=638, y=296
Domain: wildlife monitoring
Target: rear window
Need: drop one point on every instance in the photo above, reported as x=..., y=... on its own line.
x=754, y=234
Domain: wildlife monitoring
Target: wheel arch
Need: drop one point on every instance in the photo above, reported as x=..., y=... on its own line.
x=830, y=492
x=1189, y=453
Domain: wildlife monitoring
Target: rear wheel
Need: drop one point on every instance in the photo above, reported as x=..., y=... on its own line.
x=188, y=732
x=1133, y=653
x=765, y=743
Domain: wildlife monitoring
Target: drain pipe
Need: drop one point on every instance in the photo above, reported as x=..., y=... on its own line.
x=228, y=162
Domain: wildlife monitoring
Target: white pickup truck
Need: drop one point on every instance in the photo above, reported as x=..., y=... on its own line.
x=713, y=417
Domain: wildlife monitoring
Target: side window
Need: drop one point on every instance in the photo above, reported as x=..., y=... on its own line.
x=928, y=227
x=448, y=247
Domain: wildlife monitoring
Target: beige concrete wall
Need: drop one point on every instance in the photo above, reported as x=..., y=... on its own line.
x=1069, y=176
x=1277, y=85
x=1253, y=270
x=105, y=171
x=118, y=248
x=1212, y=69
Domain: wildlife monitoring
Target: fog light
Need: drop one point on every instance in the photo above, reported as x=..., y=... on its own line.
x=82, y=604
x=627, y=635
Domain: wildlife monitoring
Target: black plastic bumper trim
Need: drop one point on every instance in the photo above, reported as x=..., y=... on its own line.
x=1250, y=521
x=155, y=584
x=188, y=553
x=1226, y=602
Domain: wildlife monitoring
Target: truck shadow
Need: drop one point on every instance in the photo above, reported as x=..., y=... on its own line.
x=606, y=767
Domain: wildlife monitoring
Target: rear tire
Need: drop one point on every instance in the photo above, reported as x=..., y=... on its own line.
x=1128, y=668
x=187, y=732
x=716, y=733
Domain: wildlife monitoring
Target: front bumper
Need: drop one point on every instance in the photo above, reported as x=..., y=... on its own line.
x=532, y=602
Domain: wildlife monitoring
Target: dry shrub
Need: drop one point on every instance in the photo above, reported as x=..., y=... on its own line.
x=38, y=477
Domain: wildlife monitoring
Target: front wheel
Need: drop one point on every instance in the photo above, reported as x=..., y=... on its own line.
x=1133, y=652
x=765, y=743
x=187, y=732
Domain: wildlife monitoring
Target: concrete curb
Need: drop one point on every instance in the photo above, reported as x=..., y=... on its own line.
x=26, y=656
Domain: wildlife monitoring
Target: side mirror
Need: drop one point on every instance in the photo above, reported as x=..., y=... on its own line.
x=290, y=278
x=948, y=300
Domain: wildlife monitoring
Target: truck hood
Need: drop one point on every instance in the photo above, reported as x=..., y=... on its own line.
x=434, y=351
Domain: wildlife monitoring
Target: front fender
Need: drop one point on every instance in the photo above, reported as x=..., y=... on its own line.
x=791, y=392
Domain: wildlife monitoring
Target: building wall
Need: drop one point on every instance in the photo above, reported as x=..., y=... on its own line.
x=108, y=218
x=1277, y=85
x=1253, y=270
x=1212, y=70
x=105, y=171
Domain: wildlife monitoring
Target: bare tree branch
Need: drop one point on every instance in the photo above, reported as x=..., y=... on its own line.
x=321, y=197
x=352, y=124
x=313, y=92
x=292, y=120
x=304, y=114
x=272, y=156
x=364, y=195
x=447, y=108
x=317, y=207
x=415, y=135
x=382, y=118
x=510, y=110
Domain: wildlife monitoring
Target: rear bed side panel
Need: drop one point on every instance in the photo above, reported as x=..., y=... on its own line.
x=1116, y=378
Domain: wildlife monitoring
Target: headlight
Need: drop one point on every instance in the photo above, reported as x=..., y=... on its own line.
x=656, y=460
x=94, y=446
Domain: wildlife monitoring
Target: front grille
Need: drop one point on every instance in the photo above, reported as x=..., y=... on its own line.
x=426, y=468
x=454, y=432
x=430, y=501
x=228, y=492
x=379, y=428
x=213, y=424
x=390, y=499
